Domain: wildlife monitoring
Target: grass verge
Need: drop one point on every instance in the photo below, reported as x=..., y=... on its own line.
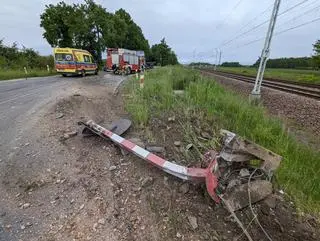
x=17, y=74
x=298, y=75
x=206, y=100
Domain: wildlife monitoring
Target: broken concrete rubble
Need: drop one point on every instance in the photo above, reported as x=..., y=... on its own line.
x=238, y=199
x=70, y=134
x=230, y=171
x=237, y=149
x=193, y=222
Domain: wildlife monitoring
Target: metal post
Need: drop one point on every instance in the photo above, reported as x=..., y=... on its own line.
x=26, y=72
x=219, y=63
x=141, y=79
x=215, y=66
x=255, y=94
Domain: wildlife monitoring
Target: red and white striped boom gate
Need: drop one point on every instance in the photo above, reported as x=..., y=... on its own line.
x=206, y=175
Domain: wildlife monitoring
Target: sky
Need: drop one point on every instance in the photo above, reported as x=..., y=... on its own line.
x=194, y=29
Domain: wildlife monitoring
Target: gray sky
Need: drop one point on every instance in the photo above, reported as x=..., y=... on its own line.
x=192, y=28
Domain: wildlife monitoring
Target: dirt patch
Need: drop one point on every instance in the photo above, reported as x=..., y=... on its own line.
x=79, y=188
x=172, y=203
x=59, y=188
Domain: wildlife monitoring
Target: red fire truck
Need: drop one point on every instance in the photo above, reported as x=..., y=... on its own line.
x=124, y=61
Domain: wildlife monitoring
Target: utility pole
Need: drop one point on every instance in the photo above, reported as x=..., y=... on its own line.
x=255, y=94
x=215, y=66
x=220, y=57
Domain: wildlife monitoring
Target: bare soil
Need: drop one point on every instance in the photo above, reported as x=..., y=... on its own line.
x=86, y=189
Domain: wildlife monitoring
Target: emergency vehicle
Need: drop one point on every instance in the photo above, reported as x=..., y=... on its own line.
x=124, y=61
x=74, y=61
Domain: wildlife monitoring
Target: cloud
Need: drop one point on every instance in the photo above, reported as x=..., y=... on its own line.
x=194, y=29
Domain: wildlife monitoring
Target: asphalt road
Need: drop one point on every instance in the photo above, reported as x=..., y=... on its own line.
x=30, y=148
x=22, y=99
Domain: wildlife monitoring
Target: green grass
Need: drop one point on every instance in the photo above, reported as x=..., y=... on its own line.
x=299, y=173
x=305, y=76
x=17, y=74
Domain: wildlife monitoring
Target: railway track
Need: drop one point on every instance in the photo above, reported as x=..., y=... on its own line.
x=302, y=89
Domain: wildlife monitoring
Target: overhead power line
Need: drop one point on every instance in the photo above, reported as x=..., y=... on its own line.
x=261, y=24
x=293, y=7
x=302, y=14
x=298, y=26
x=279, y=32
x=255, y=18
x=229, y=13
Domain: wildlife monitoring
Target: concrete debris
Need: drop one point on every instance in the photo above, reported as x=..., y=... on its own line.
x=177, y=143
x=157, y=149
x=237, y=198
x=244, y=172
x=172, y=119
x=112, y=168
x=193, y=222
x=26, y=205
x=68, y=135
x=184, y=188
x=178, y=235
x=28, y=224
x=59, y=115
x=94, y=227
x=101, y=221
x=271, y=201
x=147, y=181
x=233, y=183
x=237, y=149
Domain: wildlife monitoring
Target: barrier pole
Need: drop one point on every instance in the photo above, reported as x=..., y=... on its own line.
x=26, y=72
x=141, y=79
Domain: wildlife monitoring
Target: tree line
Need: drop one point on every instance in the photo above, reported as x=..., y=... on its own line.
x=285, y=63
x=91, y=27
x=13, y=57
x=289, y=63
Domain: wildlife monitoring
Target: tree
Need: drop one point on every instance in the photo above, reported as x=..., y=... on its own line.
x=231, y=64
x=162, y=54
x=76, y=26
x=56, y=21
x=134, y=38
x=89, y=26
x=291, y=63
x=12, y=57
x=316, y=56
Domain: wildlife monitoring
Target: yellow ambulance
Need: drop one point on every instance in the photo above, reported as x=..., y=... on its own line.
x=70, y=61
